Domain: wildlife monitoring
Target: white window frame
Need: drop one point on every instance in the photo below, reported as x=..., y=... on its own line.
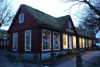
x=42, y=40
x=20, y=21
x=67, y=42
x=53, y=40
x=13, y=41
x=30, y=41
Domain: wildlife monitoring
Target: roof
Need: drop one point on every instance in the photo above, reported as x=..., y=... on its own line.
x=88, y=34
x=43, y=19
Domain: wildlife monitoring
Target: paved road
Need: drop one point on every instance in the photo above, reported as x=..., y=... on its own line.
x=87, y=57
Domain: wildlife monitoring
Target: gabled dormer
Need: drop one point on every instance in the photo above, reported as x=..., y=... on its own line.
x=67, y=24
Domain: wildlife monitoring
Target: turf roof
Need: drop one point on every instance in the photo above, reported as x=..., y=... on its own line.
x=88, y=34
x=48, y=21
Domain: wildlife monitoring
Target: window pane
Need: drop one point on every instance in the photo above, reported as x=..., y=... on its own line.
x=21, y=18
x=86, y=42
x=46, y=40
x=83, y=42
x=90, y=42
x=65, y=41
x=70, y=42
x=28, y=40
x=56, y=40
x=15, y=41
x=74, y=41
x=80, y=42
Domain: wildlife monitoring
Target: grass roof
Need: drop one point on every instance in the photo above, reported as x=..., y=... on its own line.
x=48, y=21
x=88, y=34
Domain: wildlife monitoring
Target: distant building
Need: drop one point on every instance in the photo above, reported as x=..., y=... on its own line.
x=4, y=39
x=36, y=33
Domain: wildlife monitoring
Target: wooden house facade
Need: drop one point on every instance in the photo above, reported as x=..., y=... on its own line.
x=35, y=32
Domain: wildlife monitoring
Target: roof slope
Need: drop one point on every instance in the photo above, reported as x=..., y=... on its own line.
x=43, y=19
x=88, y=34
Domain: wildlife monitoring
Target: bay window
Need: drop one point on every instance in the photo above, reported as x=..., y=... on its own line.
x=28, y=40
x=46, y=40
x=74, y=42
x=56, y=41
x=15, y=41
x=65, y=41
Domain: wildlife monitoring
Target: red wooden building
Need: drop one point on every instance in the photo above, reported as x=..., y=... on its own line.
x=35, y=32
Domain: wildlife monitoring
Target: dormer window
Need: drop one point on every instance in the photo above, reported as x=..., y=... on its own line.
x=69, y=25
x=21, y=18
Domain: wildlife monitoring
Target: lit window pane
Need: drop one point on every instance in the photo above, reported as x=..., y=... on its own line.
x=80, y=42
x=90, y=42
x=74, y=41
x=70, y=42
x=83, y=42
x=65, y=41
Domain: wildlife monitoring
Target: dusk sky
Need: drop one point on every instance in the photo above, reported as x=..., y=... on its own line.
x=54, y=8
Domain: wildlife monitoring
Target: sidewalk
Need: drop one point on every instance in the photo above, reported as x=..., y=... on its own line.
x=87, y=57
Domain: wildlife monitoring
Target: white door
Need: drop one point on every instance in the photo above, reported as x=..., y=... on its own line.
x=70, y=42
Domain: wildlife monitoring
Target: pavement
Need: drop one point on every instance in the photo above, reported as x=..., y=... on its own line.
x=70, y=61
x=86, y=57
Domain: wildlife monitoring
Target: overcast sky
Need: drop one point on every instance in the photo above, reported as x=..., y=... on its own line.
x=54, y=8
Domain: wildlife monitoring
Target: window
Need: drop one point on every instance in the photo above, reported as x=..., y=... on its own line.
x=4, y=42
x=80, y=42
x=7, y=42
x=65, y=41
x=83, y=42
x=15, y=41
x=74, y=42
x=21, y=18
x=69, y=25
x=86, y=42
x=46, y=40
x=56, y=41
x=28, y=40
x=70, y=42
x=90, y=42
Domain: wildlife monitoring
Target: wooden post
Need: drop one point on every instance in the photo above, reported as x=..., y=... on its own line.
x=78, y=61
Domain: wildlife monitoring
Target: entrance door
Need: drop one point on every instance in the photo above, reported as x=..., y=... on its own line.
x=70, y=42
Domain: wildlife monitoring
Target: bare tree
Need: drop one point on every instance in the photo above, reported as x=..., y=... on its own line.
x=90, y=16
x=6, y=13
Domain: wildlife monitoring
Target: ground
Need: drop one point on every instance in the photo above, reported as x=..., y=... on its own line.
x=68, y=60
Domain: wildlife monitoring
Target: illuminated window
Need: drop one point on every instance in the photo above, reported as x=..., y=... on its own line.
x=56, y=41
x=65, y=41
x=90, y=42
x=80, y=42
x=15, y=41
x=74, y=42
x=83, y=42
x=46, y=40
x=70, y=42
x=28, y=40
x=86, y=42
